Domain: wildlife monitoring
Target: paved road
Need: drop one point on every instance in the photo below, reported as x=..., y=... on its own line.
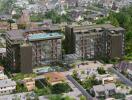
x=75, y=91
x=122, y=77
x=43, y=98
x=83, y=91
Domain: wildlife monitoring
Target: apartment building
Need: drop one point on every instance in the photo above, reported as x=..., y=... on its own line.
x=27, y=49
x=94, y=41
x=7, y=86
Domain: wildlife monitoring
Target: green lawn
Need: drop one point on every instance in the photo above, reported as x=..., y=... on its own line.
x=20, y=76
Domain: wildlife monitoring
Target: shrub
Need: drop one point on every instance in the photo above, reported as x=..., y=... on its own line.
x=101, y=70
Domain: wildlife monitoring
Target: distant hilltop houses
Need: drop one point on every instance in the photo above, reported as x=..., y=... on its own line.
x=44, y=5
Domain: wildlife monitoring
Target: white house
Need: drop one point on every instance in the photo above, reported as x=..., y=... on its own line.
x=2, y=53
x=7, y=86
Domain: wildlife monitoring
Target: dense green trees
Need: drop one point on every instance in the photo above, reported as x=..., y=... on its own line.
x=37, y=17
x=43, y=91
x=20, y=88
x=60, y=88
x=56, y=18
x=53, y=15
x=118, y=96
x=89, y=82
x=113, y=20
x=6, y=5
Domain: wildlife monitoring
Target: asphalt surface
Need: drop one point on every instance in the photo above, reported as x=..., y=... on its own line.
x=122, y=77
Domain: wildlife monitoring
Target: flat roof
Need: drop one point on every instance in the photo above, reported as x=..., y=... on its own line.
x=52, y=28
x=18, y=34
x=97, y=26
x=22, y=96
x=15, y=34
x=93, y=26
x=2, y=50
x=55, y=76
x=90, y=34
x=100, y=88
x=110, y=86
x=44, y=36
x=7, y=83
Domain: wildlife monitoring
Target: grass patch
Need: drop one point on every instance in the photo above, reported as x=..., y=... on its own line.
x=59, y=97
x=118, y=96
x=42, y=91
x=20, y=76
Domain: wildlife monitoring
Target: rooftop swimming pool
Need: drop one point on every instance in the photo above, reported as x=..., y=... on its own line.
x=46, y=69
x=40, y=36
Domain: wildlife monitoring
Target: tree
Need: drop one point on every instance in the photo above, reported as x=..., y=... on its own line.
x=60, y=88
x=16, y=97
x=22, y=26
x=20, y=88
x=101, y=70
x=28, y=96
x=68, y=98
x=55, y=97
x=6, y=6
x=113, y=20
x=83, y=98
x=130, y=92
x=89, y=82
x=119, y=96
x=74, y=74
x=43, y=91
x=10, y=21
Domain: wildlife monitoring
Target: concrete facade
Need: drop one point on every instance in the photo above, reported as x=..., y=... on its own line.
x=31, y=48
x=90, y=42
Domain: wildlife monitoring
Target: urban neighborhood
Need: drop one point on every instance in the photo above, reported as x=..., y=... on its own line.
x=65, y=49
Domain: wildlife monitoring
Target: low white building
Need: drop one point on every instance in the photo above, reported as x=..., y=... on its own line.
x=106, y=78
x=2, y=53
x=104, y=90
x=2, y=75
x=19, y=96
x=7, y=86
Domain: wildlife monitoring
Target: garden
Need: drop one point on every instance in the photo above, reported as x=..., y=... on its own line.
x=42, y=88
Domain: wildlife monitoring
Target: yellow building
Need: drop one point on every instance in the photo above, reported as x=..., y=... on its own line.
x=29, y=83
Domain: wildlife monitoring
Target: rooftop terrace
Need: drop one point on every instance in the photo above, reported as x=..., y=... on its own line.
x=19, y=34
x=97, y=27
x=7, y=83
